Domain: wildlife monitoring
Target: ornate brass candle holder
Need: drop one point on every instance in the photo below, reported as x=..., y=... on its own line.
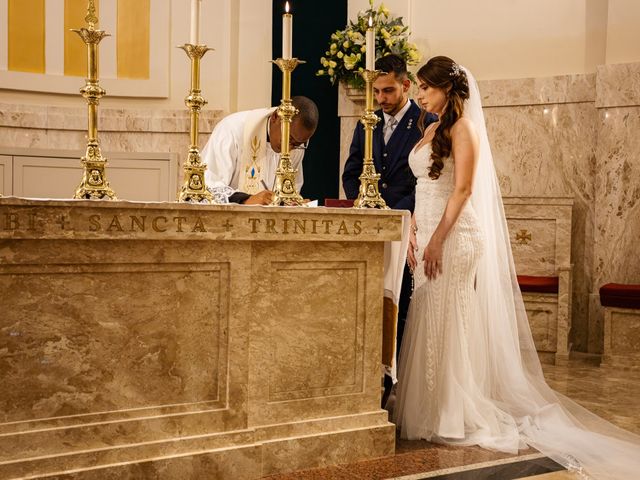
x=285, y=192
x=369, y=195
x=194, y=188
x=94, y=183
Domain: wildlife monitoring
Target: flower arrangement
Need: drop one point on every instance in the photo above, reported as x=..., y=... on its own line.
x=345, y=57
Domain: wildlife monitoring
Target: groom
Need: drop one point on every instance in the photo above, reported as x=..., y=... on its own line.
x=393, y=139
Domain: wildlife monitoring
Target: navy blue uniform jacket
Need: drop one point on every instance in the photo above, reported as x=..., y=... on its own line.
x=397, y=183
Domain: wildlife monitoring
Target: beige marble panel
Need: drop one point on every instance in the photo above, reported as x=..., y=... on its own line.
x=333, y=366
x=538, y=91
x=533, y=243
x=542, y=310
x=321, y=320
x=618, y=85
x=621, y=337
x=125, y=349
x=548, y=151
x=618, y=199
x=121, y=130
x=109, y=119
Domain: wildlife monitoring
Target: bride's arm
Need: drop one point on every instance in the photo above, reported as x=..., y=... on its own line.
x=464, y=150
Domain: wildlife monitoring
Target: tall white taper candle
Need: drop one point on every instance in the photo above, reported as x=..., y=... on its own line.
x=370, y=52
x=287, y=33
x=195, y=22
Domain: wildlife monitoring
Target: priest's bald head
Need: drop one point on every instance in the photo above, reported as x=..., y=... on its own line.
x=303, y=125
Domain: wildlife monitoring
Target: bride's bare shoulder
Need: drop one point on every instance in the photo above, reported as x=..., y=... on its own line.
x=463, y=128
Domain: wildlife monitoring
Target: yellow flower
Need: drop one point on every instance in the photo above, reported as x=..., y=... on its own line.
x=323, y=61
x=320, y=72
x=346, y=44
x=330, y=72
x=332, y=64
x=350, y=61
x=340, y=54
x=385, y=33
x=389, y=42
x=333, y=47
x=363, y=48
x=414, y=56
x=384, y=10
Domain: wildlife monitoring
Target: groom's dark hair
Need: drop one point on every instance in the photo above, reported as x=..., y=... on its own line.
x=393, y=63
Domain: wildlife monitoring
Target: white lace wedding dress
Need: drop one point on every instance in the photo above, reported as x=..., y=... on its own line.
x=468, y=370
x=440, y=397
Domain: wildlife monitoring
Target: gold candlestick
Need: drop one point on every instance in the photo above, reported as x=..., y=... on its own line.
x=94, y=183
x=285, y=192
x=194, y=188
x=369, y=195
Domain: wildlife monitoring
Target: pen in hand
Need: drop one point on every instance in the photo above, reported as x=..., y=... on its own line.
x=264, y=185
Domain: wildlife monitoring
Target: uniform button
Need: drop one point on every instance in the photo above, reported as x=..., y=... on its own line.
x=384, y=154
x=384, y=185
x=384, y=167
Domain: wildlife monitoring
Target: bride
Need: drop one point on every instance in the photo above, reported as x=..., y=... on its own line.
x=469, y=373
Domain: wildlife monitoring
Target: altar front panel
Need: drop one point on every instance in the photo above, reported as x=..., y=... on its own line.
x=247, y=339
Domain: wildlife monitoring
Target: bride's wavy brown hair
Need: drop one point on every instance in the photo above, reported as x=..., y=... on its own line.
x=442, y=72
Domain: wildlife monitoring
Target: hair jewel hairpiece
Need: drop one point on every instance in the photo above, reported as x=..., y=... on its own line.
x=456, y=70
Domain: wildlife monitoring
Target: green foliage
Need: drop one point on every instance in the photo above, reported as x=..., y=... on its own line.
x=345, y=56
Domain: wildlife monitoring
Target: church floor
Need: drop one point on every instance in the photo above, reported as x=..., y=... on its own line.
x=612, y=394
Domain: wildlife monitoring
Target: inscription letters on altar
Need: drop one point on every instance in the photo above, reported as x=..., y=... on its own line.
x=313, y=226
x=183, y=223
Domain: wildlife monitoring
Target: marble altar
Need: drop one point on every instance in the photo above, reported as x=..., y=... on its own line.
x=165, y=340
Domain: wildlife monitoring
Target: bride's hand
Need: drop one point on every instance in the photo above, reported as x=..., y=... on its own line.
x=432, y=258
x=411, y=250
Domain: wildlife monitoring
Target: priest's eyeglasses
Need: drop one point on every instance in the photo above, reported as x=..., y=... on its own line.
x=298, y=145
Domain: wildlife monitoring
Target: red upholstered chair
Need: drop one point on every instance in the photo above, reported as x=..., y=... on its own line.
x=338, y=203
x=535, y=284
x=540, y=234
x=620, y=295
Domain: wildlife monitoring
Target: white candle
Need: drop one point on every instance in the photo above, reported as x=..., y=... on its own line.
x=287, y=33
x=195, y=22
x=370, y=51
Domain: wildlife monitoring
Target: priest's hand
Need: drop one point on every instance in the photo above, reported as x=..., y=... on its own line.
x=261, y=198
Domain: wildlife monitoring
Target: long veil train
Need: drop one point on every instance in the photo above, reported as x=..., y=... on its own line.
x=547, y=420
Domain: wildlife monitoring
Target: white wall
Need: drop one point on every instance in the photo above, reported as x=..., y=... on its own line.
x=502, y=39
x=623, y=35
x=236, y=75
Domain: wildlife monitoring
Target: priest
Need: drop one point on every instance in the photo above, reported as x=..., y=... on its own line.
x=242, y=153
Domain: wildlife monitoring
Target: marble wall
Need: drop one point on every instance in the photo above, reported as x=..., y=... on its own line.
x=120, y=129
x=569, y=135
x=577, y=135
x=543, y=137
